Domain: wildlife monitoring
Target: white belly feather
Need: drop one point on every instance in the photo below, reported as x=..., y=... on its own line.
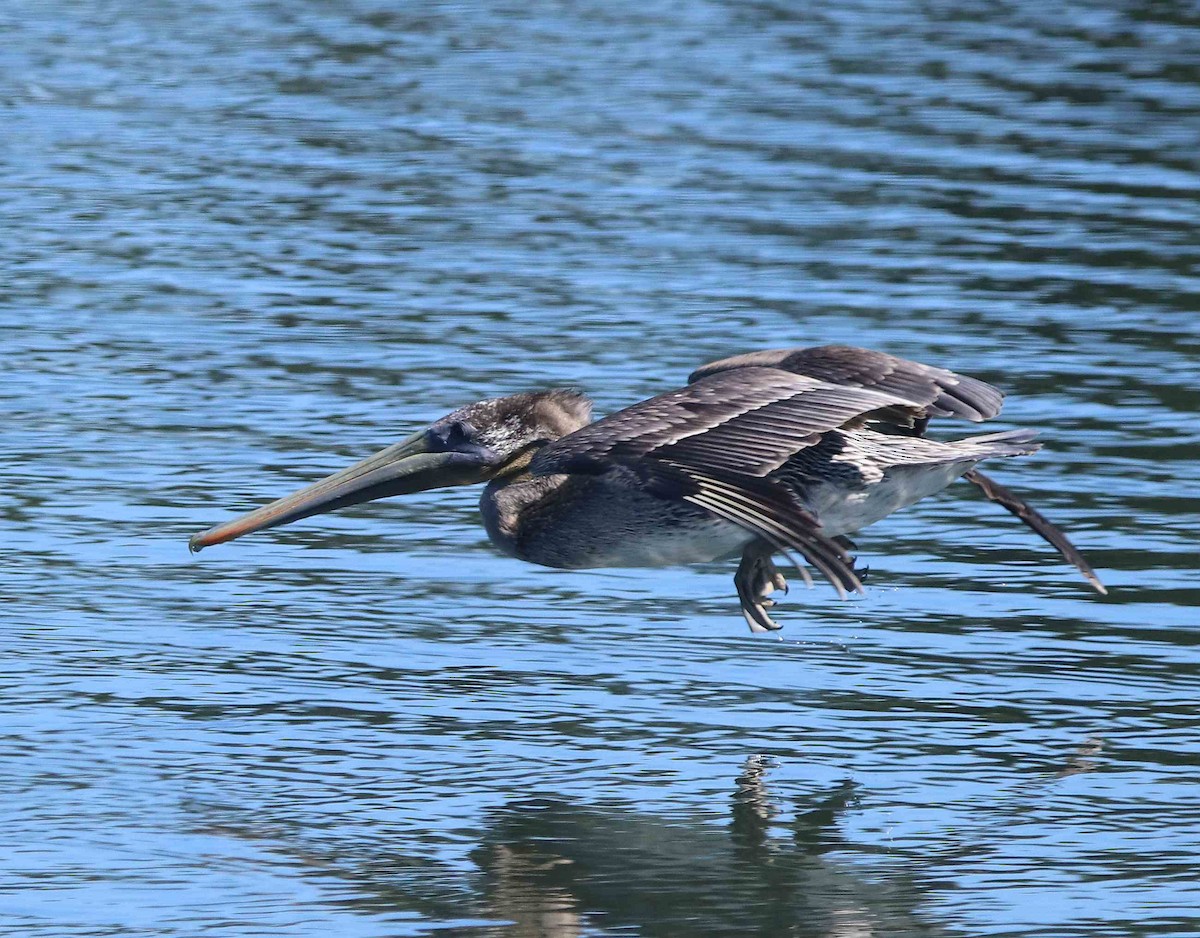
x=842, y=511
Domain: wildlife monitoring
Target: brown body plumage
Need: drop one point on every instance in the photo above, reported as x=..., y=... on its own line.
x=772, y=452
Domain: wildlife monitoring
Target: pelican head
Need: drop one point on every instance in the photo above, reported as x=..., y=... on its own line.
x=476, y=443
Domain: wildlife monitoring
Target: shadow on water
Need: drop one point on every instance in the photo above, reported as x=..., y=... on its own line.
x=558, y=867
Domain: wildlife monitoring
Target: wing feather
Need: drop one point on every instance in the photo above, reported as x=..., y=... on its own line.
x=923, y=391
x=943, y=393
x=781, y=524
x=748, y=421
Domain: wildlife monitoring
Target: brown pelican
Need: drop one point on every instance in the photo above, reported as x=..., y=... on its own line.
x=784, y=451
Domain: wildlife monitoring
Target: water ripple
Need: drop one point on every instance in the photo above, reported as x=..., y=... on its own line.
x=252, y=242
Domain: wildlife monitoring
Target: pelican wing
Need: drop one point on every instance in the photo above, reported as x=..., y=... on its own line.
x=714, y=442
x=941, y=392
x=747, y=421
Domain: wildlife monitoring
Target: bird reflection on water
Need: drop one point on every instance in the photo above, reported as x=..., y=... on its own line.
x=771, y=452
x=557, y=869
x=554, y=867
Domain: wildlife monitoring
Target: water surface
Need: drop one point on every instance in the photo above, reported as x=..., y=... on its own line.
x=250, y=242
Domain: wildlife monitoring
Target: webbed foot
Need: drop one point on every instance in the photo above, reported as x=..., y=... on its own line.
x=756, y=579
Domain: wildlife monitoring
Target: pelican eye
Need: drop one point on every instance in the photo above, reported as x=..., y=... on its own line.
x=454, y=436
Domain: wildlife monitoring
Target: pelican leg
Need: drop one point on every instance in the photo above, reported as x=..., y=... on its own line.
x=756, y=579
x=1038, y=523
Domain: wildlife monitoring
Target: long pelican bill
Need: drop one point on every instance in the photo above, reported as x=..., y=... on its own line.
x=406, y=467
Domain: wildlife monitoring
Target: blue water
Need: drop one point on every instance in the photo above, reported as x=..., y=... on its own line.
x=248, y=243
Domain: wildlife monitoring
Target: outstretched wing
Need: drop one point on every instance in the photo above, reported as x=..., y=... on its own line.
x=713, y=444
x=938, y=391
x=941, y=392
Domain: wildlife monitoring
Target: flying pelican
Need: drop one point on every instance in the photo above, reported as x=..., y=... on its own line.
x=784, y=451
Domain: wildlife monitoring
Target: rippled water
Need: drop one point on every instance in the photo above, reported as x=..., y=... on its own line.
x=249, y=242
